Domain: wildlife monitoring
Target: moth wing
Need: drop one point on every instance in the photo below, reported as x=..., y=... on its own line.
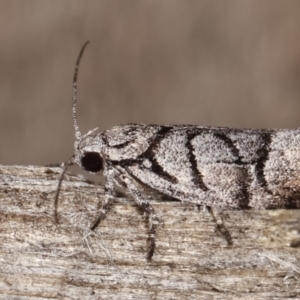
x=128, y=141
x=183, y=190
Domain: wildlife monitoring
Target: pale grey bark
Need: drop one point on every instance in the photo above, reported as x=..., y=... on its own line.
x=41, y=260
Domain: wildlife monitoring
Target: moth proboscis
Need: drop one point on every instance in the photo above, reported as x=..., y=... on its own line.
x=217, y=167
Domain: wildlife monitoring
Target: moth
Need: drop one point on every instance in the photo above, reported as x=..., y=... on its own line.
x=217, y=167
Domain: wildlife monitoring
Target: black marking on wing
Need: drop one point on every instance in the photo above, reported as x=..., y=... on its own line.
x=149, y=154
x=173, y=193
x=129, y=131
x=197, y=176
x=263, y=154
x=291, y=199
x=161, y=133
x=155, y=167
x=244, y=197
x=120, y=146
x=230, y=144
x=158, y=170
x=105, y=139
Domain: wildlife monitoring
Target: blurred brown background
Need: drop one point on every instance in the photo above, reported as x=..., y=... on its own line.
x=219, y=63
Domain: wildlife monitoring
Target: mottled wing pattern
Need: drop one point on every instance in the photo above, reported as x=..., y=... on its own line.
x=229, y=168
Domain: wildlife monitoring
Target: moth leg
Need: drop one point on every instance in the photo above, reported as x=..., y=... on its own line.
x=108, y=196
x=220, y=225
x=146, y=207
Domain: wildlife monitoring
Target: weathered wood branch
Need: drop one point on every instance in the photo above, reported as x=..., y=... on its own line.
x=41, y=260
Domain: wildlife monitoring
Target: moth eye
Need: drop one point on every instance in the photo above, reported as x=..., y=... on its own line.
x=91, y=162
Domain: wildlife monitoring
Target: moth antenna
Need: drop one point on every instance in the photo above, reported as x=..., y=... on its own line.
x=77, y=132
x=65, y=165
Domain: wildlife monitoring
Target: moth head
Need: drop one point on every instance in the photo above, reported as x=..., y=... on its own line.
x=88, y=154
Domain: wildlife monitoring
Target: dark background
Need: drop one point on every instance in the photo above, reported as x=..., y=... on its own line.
x=221, y=63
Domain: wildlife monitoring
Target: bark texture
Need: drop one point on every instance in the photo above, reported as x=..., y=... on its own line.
x=42, y=260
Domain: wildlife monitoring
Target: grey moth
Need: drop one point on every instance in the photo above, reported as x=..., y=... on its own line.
x=220, y=168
